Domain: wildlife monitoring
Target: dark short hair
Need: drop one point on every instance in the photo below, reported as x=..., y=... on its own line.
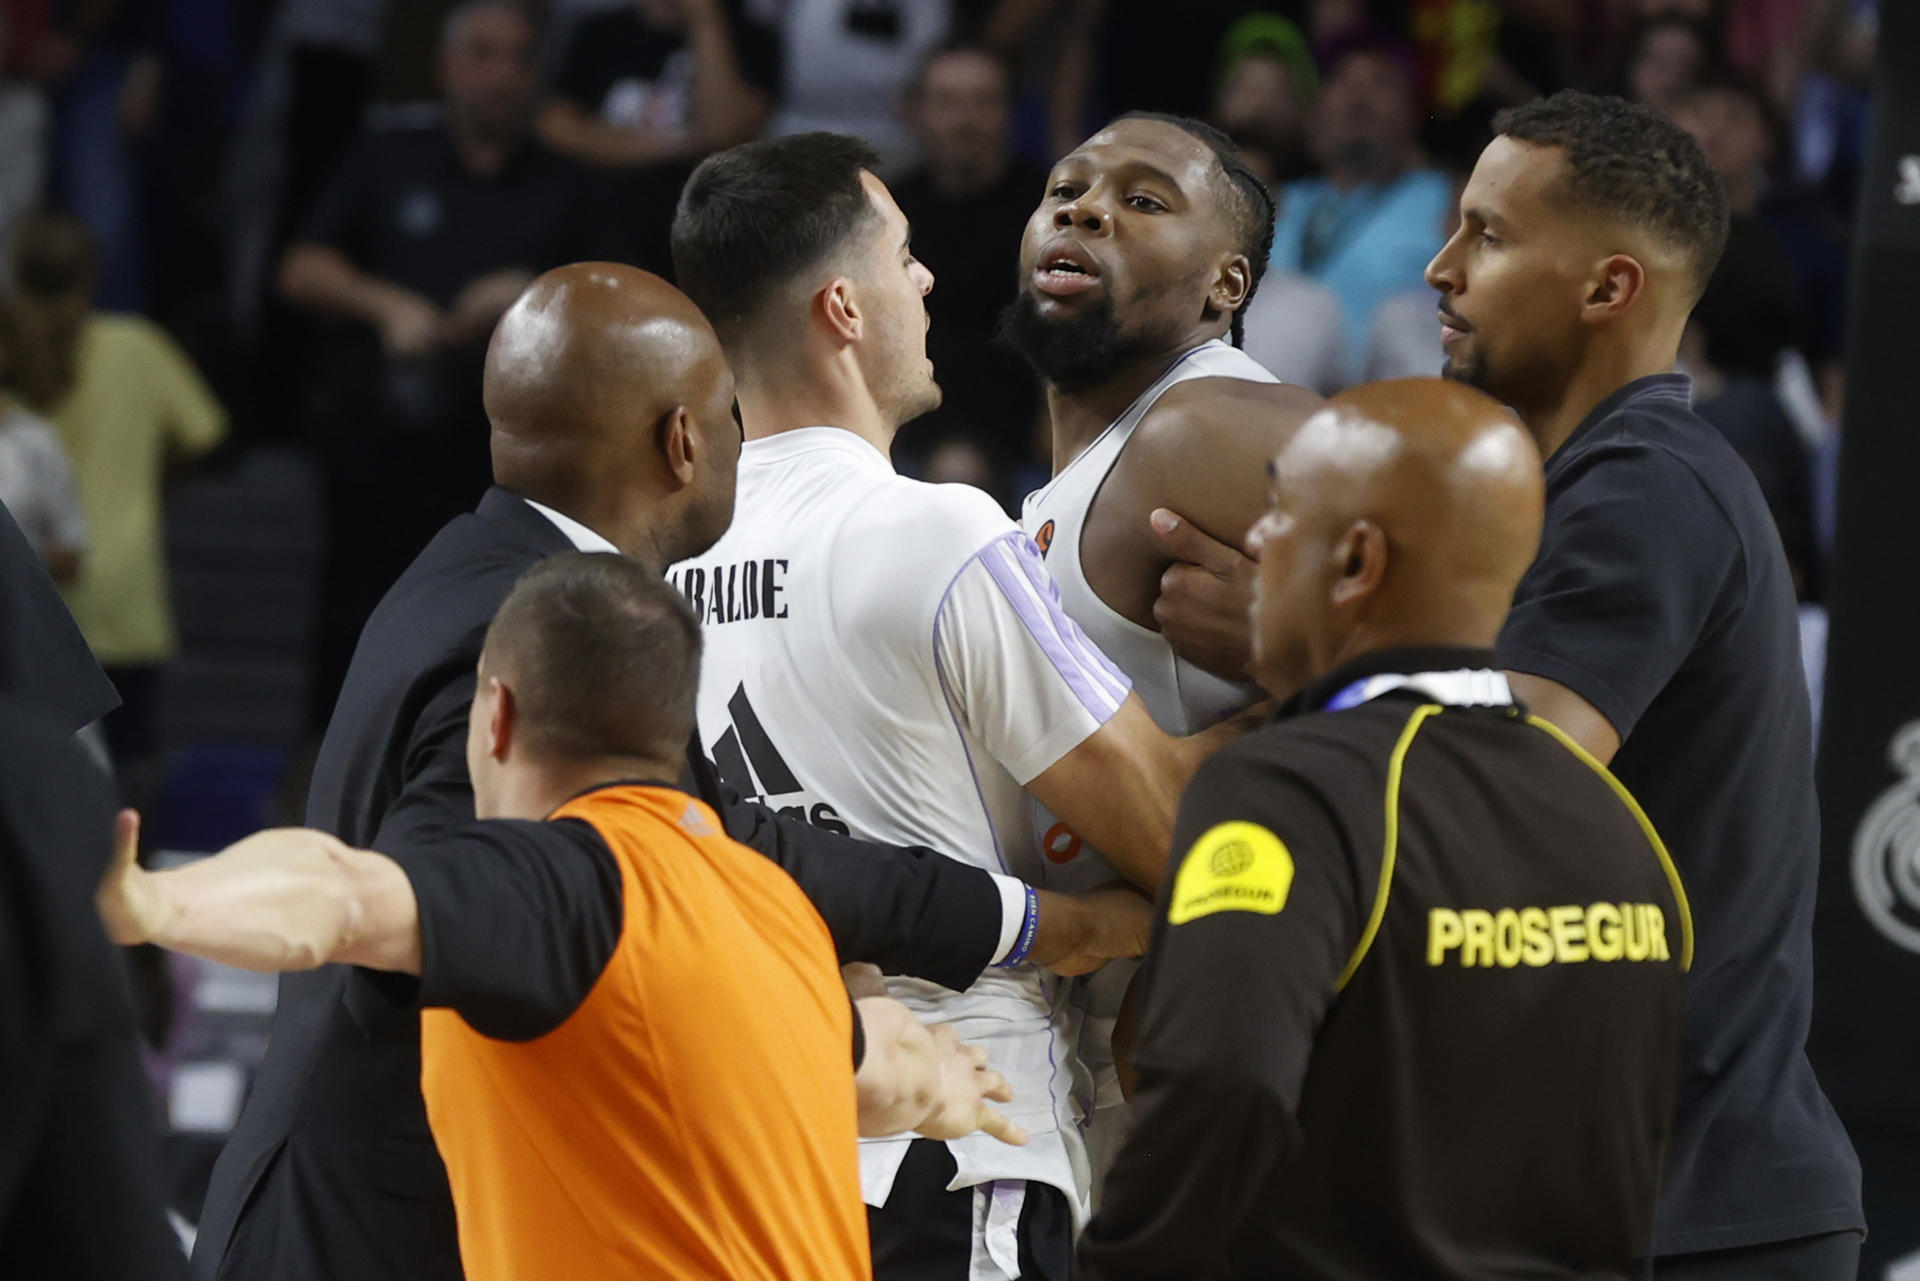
x=753, y=217
x=53, y=255
x=1631, y=163
x=1249, y=203
x=603, y=657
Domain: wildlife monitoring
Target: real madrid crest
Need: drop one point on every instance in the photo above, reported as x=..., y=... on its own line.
x=1886, y=848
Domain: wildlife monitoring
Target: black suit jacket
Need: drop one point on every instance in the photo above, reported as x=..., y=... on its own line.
x=80, y=1181
x=44, y=661
x=331, y=1171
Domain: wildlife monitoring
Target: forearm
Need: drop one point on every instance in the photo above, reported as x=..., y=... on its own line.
x=908, y=911
x=321, y=278
x=727, y=109
x=289, y=899
x=573, y=132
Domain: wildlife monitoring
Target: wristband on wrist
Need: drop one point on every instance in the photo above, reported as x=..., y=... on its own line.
x=1028, y=928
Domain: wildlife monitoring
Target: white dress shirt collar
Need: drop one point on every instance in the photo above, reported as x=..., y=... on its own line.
x=579, y=535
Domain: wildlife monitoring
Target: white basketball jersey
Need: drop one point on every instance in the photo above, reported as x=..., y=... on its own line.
x=888, y=658
x=1182, y=698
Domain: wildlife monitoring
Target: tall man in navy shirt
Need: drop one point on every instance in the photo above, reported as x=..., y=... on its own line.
x=1657, y=627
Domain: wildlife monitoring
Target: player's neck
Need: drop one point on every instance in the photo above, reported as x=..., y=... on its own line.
x=535, y=791
x=798, y=398
x=1077, y=418
x=1559, y=413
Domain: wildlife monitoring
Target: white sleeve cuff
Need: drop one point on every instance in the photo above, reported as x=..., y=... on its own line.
x=1013, y=914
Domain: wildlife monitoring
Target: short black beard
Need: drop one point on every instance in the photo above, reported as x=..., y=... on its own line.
x=1073, y=353
x=1473, y=373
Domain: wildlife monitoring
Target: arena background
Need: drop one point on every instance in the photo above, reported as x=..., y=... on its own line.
x=197, y=139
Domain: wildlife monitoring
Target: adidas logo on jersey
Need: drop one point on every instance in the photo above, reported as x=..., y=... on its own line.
x=748, y=759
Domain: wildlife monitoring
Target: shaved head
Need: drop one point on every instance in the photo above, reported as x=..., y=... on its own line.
x=610, y=401
x=1404, y=513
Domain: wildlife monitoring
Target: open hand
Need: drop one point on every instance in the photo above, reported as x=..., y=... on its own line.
x=967, y=1085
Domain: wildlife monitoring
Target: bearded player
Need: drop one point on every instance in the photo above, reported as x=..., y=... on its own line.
x=1151, y=238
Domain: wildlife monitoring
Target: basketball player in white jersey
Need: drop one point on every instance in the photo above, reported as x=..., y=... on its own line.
x=890, y=657
x=1134, y=270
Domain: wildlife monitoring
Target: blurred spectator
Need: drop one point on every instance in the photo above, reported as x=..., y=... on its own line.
x=1405, y=339
x=36, y=481
x=1665, y=56
x=849, y=63
x=1266, y=86
x=126, y=402
x=1743, y=325
x=967, y=204
x=1738, y=129
x=24, y=115
x=100, y=60
x=422, y=239
x=1480, y=57
x=646, y=90
x=1369, y=227
x=1295, y=329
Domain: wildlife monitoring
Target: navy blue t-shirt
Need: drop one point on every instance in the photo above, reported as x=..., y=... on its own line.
x=1661, y=596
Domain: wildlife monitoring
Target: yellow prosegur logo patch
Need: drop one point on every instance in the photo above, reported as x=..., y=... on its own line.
x=1233, y=867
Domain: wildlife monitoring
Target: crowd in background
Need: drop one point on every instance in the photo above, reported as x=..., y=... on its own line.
x=294, y=224
x=241, y=228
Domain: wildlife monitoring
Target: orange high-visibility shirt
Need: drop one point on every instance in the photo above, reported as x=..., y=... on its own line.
x=695, y=1116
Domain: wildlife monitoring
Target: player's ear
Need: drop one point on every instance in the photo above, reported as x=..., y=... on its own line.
x=679, y=444
x=1360, y=563
x=504, y=721
x=1616, y=282
x=1231, y=284
x=839, y=310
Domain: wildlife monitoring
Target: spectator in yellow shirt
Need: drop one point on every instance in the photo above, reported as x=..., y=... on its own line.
x=126, y=402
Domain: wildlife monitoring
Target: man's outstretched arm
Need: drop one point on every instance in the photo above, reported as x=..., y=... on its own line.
x=285, y=899
x=912, y=911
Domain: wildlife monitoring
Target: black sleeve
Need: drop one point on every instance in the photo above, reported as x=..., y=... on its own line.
x=44, y=660
x=905, y=909
x=339, y=217
x=436, y=796
x=517, y=921
x=1634, y=561
x=1257, y=921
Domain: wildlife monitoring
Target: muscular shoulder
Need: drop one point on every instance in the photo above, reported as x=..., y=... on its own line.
x=1203, y=449
x=1234, y=414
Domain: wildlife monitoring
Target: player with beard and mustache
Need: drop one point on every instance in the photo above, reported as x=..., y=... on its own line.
x=1151, y=237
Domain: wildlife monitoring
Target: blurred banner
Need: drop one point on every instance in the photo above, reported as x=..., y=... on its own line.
x=1866, y=1039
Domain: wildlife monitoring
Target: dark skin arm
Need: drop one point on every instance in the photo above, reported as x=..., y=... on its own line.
x=1201, y=452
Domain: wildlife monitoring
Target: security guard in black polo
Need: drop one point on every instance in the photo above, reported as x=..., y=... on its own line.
x=1412, y=1009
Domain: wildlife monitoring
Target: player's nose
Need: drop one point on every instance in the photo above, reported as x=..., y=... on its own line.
x=1083, y=212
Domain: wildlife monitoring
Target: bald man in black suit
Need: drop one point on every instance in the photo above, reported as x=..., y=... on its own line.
x=613, y=430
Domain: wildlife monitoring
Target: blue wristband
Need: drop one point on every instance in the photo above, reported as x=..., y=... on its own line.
x=1028, y=928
